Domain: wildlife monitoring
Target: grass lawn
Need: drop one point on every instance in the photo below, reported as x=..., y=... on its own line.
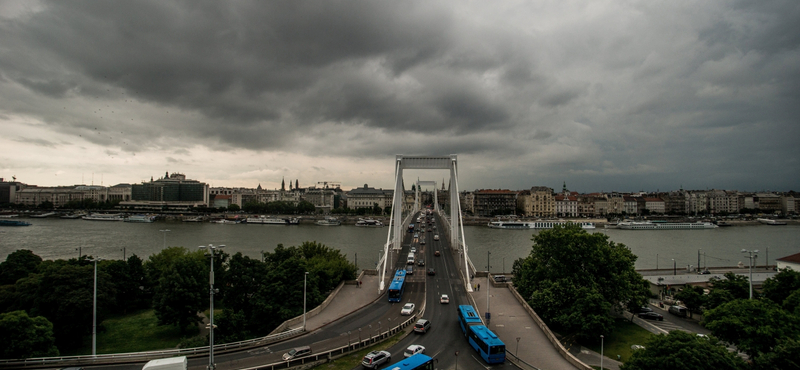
x=619, y=342
x=353, y=359
x=138, y=332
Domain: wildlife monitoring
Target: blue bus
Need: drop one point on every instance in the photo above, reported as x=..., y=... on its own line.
x=416, y=362
x=397, y=286
x=467, y=316
x=483, y=340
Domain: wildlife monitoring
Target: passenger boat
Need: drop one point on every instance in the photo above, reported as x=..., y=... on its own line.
x=649, y=225
x=536, y=224
x=224, y=221
x=141, y=218
x=771, y=222
x=104, y=217
x=43, y=215
x=329, y=221
x=13, y=223
x=72, y=216
x=193, y=219
x=368, y=223
x=8, y=215
x=263, y=220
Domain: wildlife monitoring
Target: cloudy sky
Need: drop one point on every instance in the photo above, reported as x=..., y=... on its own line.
x=603, y=95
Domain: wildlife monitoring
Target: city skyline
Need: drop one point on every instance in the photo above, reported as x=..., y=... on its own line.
x=605, y=96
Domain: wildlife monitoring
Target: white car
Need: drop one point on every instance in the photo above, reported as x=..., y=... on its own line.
x=436, y=237
x=413, y=250
x=444, y=299
x=413, y=350
x=408, y=309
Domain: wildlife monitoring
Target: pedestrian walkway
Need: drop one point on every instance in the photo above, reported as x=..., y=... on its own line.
x=349, y=299
x=510, y=321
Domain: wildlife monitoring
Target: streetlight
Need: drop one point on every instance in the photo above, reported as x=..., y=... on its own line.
x=94, y=309
x=753, y=254
x=674, y=267
x=165, y=238
x=516, y=352
x=305, y=276
x=488, y=267
x=210, y=251
x=601, y=352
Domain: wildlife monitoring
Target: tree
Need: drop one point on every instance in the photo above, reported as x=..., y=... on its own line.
x=692, y=297
x=783, y=357
x=682, y=350
x=306, y=207
x=179, y=294
x=780, y=286
x=18, y=265
x=234, y=208
x=572, y=279
x=24, y=336
x=728, y=289
x=753, y=325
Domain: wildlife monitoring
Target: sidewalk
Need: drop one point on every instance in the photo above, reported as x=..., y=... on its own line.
x=350, y=298
x=510, y=321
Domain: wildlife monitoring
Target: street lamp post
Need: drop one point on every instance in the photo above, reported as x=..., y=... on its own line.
x=674, y=267
x=601, y=352
x=488, y=267
x=752, y=254
x=516, y=352
x=165, y=231
x=94, y=309
x=305, y=276
x=211, y=251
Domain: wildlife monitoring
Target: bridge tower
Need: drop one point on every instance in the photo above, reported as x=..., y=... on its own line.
x=397, y=223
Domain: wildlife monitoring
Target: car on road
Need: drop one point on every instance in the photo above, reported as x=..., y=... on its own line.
x=413, y=350
x=422, y=326
x=420, y=262
x=413, y=249
x=416, y=235
x=408, y=309
x=436, y=237
x=376, y=358
x=644, y=309
x=410, y=270
x=444, y=299
x=651, y=316
x=296, y=353
x=431, y=272
x=437, y=254
x=422, y=242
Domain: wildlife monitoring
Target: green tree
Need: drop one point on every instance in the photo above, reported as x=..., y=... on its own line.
x=18, y=265
x=305, y=207
x=780, y=286
x=692, y=297
x=178, y=297
x=234, y=208
x=783, y=356
x=753, y=325
x=573, y=280
x=24, y=336
x=737, y=285
x=682, y=350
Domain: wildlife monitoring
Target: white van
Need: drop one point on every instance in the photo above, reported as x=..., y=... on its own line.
x=410, y=259
x=173, y=363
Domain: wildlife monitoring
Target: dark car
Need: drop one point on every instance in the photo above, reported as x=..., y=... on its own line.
x=431, y=272
x=420, y=262
x=651, y=316
x=644, y=309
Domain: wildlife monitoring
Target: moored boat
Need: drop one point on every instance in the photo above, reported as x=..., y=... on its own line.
x=193, y=219
x=72, y=216
x=104, y=217
x=224, y=221
x=329, y=221
x=649, y=225
x=368, y=223
x=771, y=222
x=141, y=218
x=265, y=220
x=13, y=223
x=536, y=224
x=43, y=215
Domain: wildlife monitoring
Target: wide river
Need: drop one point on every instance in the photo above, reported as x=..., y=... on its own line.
x=58, y=238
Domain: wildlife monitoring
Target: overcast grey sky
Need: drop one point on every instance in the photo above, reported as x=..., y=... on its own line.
x=605, y=95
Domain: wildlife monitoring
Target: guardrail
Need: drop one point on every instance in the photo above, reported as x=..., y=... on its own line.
x=277, y=335
x=319, y=358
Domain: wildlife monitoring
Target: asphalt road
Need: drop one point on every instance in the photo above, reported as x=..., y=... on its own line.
x=442, y=342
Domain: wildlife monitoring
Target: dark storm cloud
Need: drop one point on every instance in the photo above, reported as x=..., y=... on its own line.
x=640, y=92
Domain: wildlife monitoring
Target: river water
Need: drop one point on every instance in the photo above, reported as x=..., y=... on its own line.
x=59, y=238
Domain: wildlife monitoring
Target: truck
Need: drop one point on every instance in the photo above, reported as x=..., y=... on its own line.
x=172, y=363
